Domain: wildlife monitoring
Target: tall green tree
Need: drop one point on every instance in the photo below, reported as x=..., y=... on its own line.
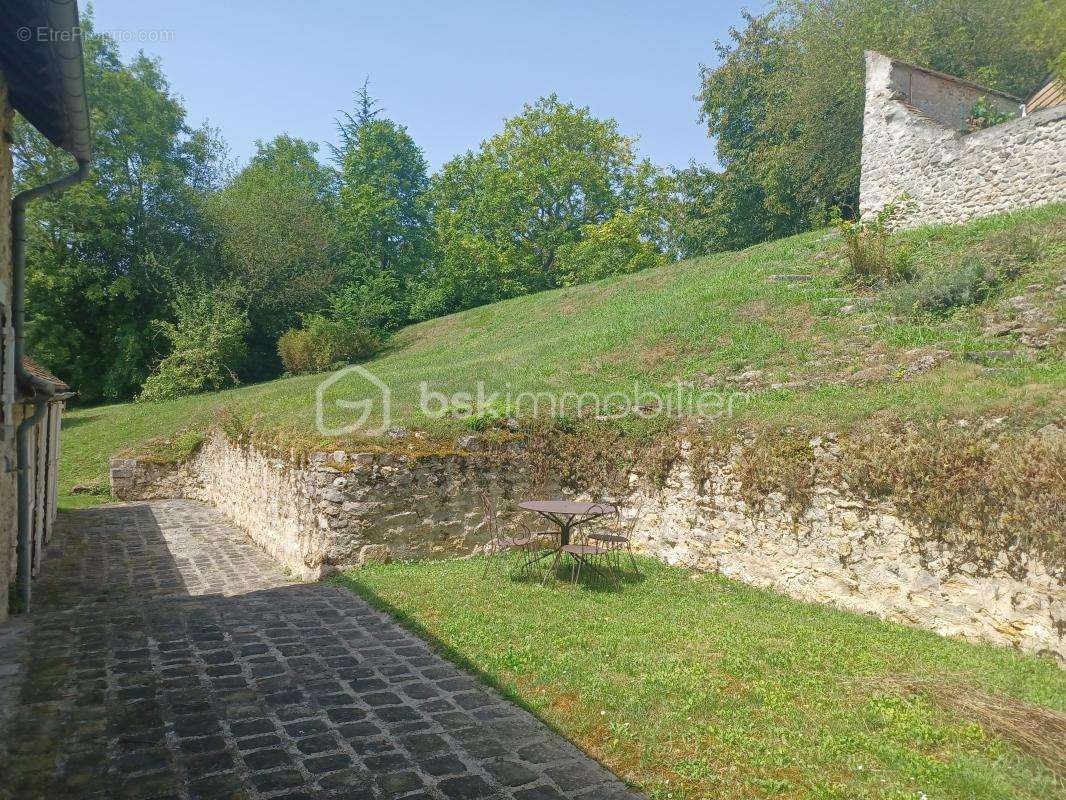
x=503, y=214
x=785, y=104
x=276, y=225
x=382, y=208
x=105, y=257
x=695, y=221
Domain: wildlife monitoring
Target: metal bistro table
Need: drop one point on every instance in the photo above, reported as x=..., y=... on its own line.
x=566, y=516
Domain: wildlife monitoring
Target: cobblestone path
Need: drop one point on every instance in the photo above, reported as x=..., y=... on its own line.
x=167, y=657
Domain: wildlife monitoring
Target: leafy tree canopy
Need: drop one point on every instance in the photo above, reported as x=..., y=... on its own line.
x=105, y=256
x=278, y=235
x=207, y=342
x=501, y=214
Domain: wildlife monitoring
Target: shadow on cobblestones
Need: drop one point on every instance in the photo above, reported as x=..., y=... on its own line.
x=168, y=657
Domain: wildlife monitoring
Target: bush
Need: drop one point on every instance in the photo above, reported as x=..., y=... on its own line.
x=942, y=291
x=296, y=351
x=323, y=343
x=999, y=258
x=618, y=246
x=870, y=256
x=984, y=115
x=373, y=304
x=207, y=339
x=1011, y=250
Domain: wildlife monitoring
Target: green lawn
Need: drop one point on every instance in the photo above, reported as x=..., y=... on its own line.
x=693, y=686
x=695, y=321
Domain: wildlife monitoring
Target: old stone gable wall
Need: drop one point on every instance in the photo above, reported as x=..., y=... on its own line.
x=345, y=509
x=915, y=143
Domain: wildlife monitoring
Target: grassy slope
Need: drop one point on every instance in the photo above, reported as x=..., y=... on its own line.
x=711, y=316
x=712, y=689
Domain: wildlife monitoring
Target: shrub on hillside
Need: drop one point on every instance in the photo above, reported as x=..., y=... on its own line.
x=322, y=343
x=870, y=255
x=944, y=290
x=971, y=281
x=372, y=304
x=1012, y=249
x=207, y=340
x=296, y=351
x=618, y=246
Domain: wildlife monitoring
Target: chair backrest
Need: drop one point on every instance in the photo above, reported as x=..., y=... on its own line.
x=490, y=514
x=636, y=520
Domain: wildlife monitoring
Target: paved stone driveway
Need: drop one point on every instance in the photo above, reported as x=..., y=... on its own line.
x=167, y=657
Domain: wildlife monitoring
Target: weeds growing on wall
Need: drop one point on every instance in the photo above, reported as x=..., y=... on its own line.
x=777, y=463
x=182, y=446
x=990, y=498
x=584, y=455
x=983, y=114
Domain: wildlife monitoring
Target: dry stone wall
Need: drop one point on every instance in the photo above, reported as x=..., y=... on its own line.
x=341, y=509
x=346, y=509
x=916, y=144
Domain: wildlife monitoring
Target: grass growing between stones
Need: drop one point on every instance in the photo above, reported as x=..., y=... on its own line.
x=694, y=686
x=819, y=351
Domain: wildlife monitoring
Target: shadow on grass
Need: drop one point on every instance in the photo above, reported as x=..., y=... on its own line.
x=351, y=582
x=83, y=419
x=587, y=580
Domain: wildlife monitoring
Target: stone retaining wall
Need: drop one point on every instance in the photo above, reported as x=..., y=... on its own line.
x=345, y=509
x=340, y=510
x=916, y=144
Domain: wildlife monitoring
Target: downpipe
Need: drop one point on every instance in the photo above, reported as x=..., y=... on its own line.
x=44, y=392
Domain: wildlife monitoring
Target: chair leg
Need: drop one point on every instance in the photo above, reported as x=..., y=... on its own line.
x=633, y=560
x=609, y=575
x=554, y=567
x=612, y=572
x=529, y=558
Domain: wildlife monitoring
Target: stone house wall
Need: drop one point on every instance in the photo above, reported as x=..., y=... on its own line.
x=8, y=506
x=916, y=144
x=44, y=440
x=346, y=509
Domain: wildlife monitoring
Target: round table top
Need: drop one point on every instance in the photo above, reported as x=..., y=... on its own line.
x=567, y=508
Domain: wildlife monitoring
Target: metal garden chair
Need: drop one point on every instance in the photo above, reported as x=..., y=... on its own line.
x=502, y=541
x=618, y=539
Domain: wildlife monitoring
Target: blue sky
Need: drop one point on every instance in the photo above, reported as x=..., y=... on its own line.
x=451, y=72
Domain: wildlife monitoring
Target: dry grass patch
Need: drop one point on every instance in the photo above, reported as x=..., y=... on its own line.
x=1038, y=731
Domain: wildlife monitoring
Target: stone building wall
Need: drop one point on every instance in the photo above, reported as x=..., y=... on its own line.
x=345, y=509
x=8, y=506
x=915, y=143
